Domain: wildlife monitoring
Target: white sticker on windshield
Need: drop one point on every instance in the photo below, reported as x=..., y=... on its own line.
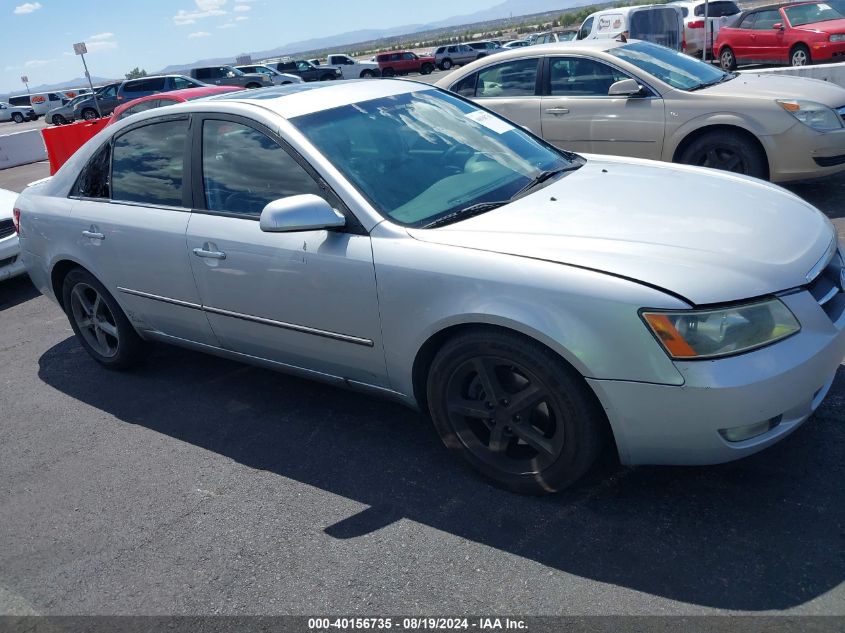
x=490, y=122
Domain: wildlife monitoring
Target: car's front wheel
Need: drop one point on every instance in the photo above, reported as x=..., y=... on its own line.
x=89, y=114
x=99, y=323
x=800, y=56
x=426, y=69
x=58, y=119
x=17, y=117
x=514, y=410
x=728, y=151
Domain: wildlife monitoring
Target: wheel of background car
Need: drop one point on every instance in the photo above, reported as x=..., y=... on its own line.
x=252, y=86
x=727, y=60
x=99, y=323
x=446, y=64
x=388, y=72
x=285, y=83
x=58, y=119
x=327, y=77
x=89, y=114
x=800, y=56
x=514, y=410
x=365, y=74
x=17, y=117
x=426, y=69
x=727, y=151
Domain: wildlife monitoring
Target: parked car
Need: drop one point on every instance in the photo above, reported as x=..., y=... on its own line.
x=64, y=114
x=719, y=13
x=107, y=100
x=795, y=34
x=647, y=101
x=11, y=265
x=135, y=88
x=517, y=44
x=404, y=62
x=307, y=70
x=18, y=114
x=552, y=37
x=486, y=47
x=351, y=68
x=657, y=23
x=229, y=76
x=40, y=102
x=445, y=57
x=153, y=101
x=278, y=79
x=534, y=302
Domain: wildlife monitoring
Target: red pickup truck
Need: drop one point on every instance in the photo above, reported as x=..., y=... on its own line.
x=404, y=62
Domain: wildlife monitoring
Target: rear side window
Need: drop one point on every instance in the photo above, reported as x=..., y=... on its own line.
x=144, y=85
x=148, y=164
x=20, y=101
x=93, y=180
x=516, y=78
x=243, y=170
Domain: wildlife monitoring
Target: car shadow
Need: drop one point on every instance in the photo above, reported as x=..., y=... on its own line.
x=760, y=534
x=825, y=194
x=16, y=291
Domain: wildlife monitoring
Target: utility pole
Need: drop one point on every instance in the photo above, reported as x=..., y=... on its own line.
x=80, y=49
x=706, y=30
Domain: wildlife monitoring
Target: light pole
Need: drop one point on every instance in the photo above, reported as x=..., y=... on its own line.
x=80, y=49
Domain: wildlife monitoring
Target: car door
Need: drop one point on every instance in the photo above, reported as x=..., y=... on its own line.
x=130, y=218
x=305, y=298
x=741, y=38
x=508, y=88
x=107, y=98
x=576, y=112
x=466, y=54
x=766, y=42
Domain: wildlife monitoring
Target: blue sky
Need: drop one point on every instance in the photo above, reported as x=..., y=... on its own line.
x=38, y=35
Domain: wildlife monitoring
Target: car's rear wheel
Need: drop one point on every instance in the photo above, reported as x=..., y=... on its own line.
x=800, y=56
x=89, y=114
x=366, y=74
x=99, y=323
x=446, y=64
x=426, y=69
x=514, y=410
x=17, y=117
x=388, y=72
x=728, y=151
x=727, y=59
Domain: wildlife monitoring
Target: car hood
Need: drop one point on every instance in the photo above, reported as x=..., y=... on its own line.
x=707, y=236
x=7, y=203
x=774, y=86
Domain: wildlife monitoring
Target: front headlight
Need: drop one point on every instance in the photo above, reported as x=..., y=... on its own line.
x=698, y=334
x=837, y=37
x=817, y=115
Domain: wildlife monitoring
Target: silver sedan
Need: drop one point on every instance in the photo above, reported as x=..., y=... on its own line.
x=394, y=238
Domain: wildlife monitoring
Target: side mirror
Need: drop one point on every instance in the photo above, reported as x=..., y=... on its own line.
x=778, y=26
x=625, y=88
x=305, y=212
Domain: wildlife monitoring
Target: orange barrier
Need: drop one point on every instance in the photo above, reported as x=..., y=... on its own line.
x=63, y=140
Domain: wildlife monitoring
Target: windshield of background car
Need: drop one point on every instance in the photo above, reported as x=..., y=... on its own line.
x=810, y=13
x=676, y=69
x=423, y=155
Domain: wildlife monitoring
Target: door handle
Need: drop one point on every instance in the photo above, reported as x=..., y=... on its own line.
x=93, y=235
x=557, y=110
x=201, y=252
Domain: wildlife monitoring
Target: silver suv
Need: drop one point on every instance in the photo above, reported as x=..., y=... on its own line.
x=455, y=55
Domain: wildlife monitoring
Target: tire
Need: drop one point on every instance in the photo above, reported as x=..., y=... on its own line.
x=327, y=77
x=366, y=74
x=89, y=114
x=388, y=72
x=17, y=117
x=727, y=59
x=426, y=69
x=252, y=86
x=562, y=421
x=99, y=323
x=800, y=56
x=446, y=64
x=58, y=119
x=728, y=151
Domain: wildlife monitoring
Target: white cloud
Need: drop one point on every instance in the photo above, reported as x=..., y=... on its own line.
x=183, y=17
x=240, y=8
x=241, y=18
x=210, y=5
x=101, y=36
x=100, y=42
x=27, y=7
x=198, y=34
x=228, y=25
x=37, y=63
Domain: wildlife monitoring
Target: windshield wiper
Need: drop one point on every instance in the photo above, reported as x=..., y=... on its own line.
x=725, y=77
x=465, y=213
x=542, y=177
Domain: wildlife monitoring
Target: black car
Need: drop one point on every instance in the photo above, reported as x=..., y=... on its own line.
x=307, y=70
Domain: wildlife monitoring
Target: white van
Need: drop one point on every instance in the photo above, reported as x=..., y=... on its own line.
x=658, y=23
x=41, y=102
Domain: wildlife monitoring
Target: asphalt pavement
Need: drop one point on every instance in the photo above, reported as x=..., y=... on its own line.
x=196, y=485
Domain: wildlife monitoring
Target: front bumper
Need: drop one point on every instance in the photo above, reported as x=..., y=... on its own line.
x=802, y=153
x=11, y=264
x=662, y=424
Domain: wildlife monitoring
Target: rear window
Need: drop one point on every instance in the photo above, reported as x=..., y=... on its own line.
x=658, y=25
x=717, y=9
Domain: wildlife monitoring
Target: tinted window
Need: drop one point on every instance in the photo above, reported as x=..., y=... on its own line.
x=243, y=170
x=148, y=164
x=408, y=56
x=516, y=78
x=716, y=9
x=54, y=97
x=466, y=86
x=766, y=20
x=144, y=85
x=93, y=181
x=204, y=73
x=20, y=101
x=109, y=92
x=585, y=29
x=581, y=77
x=180, y=83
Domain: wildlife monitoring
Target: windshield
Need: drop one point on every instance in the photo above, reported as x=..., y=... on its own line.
x=422, y=156
x=676, y=69
x=810, y=13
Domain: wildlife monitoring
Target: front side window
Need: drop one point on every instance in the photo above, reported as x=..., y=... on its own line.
x=581, y=77
x=466, y=86
x=766, y=20
x=676, y=69
x=180, y=83
x=93, y=180
x=422, y=156
x=748, y=21
x=586, y=28
x=148, y=163
x=408, y=56
x=516, y=78
x=243, y=169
